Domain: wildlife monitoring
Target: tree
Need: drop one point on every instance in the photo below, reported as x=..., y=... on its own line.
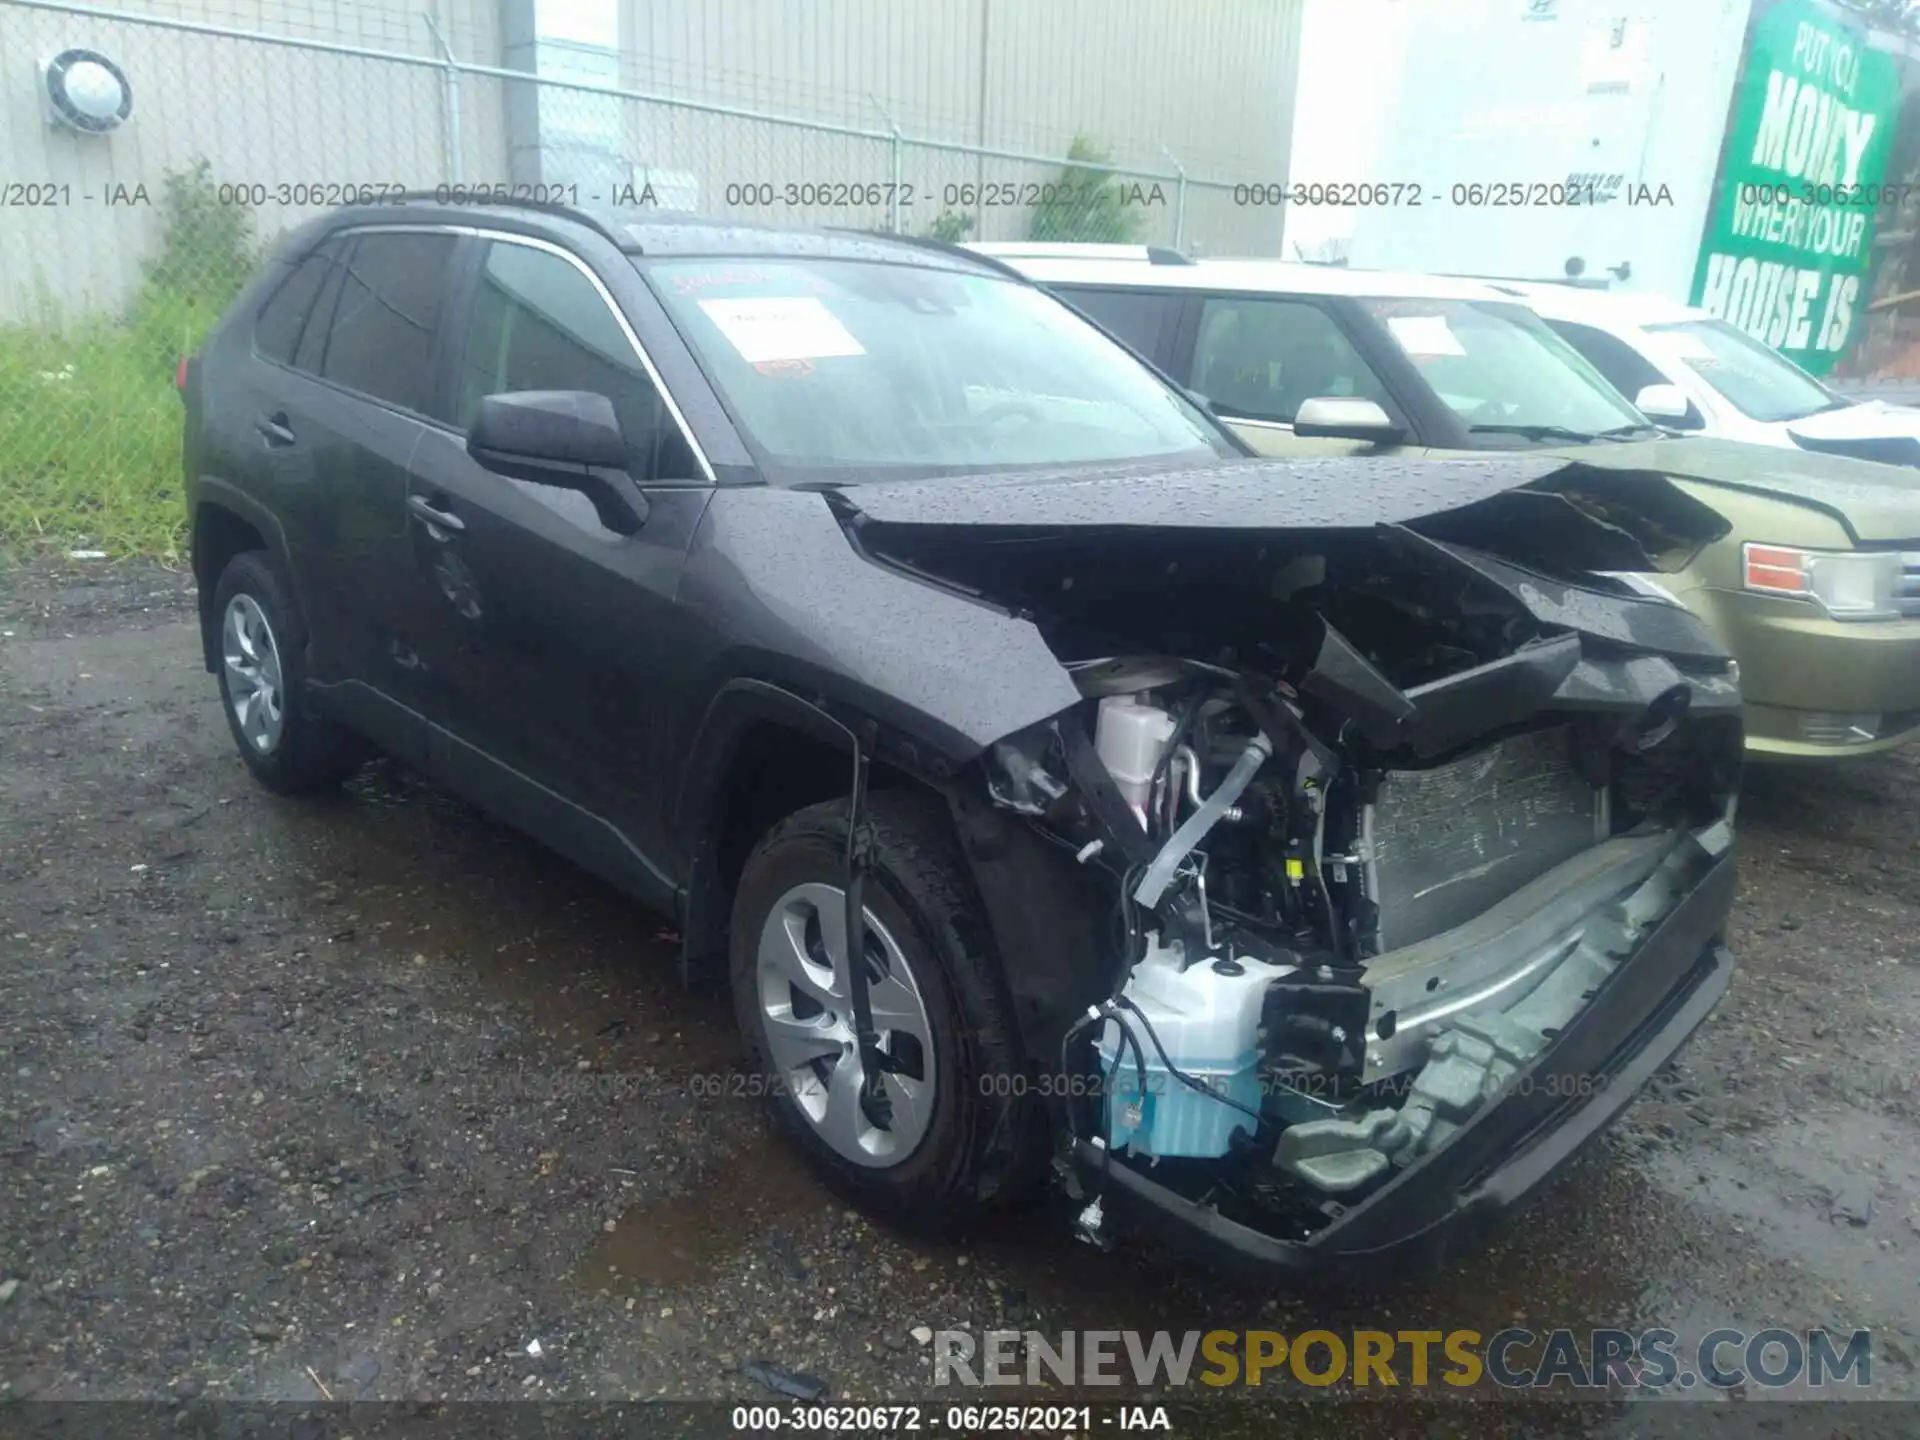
x=1083, y=203
x=949, y=226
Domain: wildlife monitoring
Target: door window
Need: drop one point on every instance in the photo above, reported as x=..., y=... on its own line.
x=1626, y=369
x=1136, y=316
x=540, y=324
x=1261, y=359
x=381, y=343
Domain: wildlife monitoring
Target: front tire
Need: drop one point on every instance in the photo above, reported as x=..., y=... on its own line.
x=289, y=746
x=962, y=1137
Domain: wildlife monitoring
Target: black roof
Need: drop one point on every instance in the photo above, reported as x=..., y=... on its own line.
x=678, y=233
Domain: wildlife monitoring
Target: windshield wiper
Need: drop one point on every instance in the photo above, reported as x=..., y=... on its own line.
x=1628, y=432
x=1535, y=432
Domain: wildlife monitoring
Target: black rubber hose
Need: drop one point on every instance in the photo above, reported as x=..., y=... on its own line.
x=1127, y=1038
x=1181, y=725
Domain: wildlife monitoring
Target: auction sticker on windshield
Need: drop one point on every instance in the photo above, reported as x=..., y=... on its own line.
x=781, y=328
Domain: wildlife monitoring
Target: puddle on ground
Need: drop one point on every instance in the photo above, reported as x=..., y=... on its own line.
x=760, y=1198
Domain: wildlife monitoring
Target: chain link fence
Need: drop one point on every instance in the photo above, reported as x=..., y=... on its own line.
x=119, y=256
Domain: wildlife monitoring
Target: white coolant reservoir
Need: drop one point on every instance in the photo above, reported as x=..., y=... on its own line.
x=1207, y=1019
x=1130, y=738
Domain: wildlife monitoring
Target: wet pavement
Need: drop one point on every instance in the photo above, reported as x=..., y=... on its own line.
x=359, y=1097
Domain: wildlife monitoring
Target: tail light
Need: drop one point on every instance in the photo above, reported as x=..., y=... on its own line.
x=180, y=375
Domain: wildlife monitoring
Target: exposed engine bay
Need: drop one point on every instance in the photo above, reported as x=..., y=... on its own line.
x=1377, y=811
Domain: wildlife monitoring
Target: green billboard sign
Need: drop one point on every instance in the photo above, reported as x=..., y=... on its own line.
x=1790, y=234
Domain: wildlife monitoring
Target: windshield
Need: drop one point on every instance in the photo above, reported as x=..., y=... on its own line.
x=1508, y=377
x=838, y=364
x=1758, y=381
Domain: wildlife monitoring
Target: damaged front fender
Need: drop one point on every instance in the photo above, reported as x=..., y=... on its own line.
x=1282, y=785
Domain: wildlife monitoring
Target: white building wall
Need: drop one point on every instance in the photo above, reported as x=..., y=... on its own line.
x=1212, y=80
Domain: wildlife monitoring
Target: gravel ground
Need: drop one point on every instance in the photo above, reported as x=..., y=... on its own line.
x=359, y=1098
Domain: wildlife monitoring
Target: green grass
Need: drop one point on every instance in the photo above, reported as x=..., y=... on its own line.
x=90, y=430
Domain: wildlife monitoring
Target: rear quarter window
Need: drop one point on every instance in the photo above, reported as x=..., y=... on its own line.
x=276, y=333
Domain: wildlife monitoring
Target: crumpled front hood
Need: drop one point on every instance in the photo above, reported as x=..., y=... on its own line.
x=1876, y=503
x=1536, y=508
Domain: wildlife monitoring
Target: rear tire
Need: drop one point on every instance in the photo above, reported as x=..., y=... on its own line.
x=958, y=1143
x=289, y=746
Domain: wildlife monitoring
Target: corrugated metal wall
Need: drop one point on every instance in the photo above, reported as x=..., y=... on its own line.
x=1211, y=80
x=472, y=26
x=261, y=115
x=1161, y=84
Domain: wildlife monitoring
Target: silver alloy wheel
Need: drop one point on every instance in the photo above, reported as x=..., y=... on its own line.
x=253, y=672
x=806, y=1017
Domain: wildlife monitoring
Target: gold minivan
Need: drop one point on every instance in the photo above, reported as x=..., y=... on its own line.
x=1815, y=590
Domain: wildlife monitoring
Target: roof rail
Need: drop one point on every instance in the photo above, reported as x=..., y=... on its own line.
x=506, y=202
x=943, y=247
x=1078, y=250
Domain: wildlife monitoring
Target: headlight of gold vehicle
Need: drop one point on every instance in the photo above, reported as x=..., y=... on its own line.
x=1847, y=584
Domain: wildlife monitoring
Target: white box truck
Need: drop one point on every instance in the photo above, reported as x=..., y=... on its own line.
x=1732, y=154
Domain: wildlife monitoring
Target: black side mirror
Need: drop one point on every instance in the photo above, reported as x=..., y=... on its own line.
x=567, y=438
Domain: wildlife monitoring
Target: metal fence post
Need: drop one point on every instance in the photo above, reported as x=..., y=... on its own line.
x=894, y=147
x=450, y=98
x=1179, y=197
x=893, y=201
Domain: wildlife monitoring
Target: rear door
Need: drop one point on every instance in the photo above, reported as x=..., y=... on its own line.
x=248, y=391
x=546, y=635
x=338, y=413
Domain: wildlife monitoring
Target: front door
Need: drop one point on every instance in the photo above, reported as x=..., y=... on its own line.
x=546, y=636
x=1257, y=359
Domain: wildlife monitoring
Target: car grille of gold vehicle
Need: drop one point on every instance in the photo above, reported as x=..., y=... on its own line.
x=1908, y=596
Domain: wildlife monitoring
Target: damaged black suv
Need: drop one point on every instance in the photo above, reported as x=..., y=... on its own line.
x=1302, y=858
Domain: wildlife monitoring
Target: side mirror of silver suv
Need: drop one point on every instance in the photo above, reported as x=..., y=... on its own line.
x=1340, y=417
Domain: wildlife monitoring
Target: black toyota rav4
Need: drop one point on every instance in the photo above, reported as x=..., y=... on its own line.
x=1301, y=858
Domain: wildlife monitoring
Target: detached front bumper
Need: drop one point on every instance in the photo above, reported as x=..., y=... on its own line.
x=1817, y=688
x=1644, y=1012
